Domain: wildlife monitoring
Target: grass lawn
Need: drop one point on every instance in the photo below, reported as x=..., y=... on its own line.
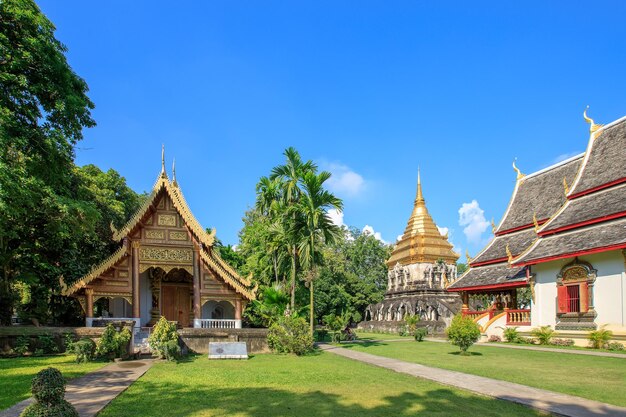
x=16, y=374
x=282, y=385
x=380, y=336
x=597, y=378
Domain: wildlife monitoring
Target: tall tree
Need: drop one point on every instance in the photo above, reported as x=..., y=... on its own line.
x=290, y=175
x=315, y=225
x=43, y=109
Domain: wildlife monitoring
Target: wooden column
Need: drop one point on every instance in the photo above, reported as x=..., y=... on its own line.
x=197, y=271
x=238, y=309
x=89, y=294
x=135, y=278
x=465, y=298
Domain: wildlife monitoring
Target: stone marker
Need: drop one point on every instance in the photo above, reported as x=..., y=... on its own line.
x=228, y=350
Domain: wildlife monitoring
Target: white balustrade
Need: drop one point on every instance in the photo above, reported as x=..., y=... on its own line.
x=217, y=324
x=89, y=320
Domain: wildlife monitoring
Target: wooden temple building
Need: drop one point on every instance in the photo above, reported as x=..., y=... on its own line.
x=166, y=265
x=420, y=266
x=563, y=240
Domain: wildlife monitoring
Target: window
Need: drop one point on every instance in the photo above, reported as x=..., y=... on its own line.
x=573, y=298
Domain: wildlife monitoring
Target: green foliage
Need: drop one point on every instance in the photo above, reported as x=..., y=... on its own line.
x=68, y=341
x=270, y=306
x=616, y=346
x=463, y=332
x=543, y=334
x=48, y=388
x=47, y=344
x=420, y=334
x=290, y=335
x=21, y=344
x=163, y=333
x=171, y=350
x=511, y=335
x=598, y=339
x=411, y=320
x=84, y=349
x=336, y=324
x=113, y=344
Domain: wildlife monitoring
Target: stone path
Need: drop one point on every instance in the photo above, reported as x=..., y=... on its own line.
x=543, y=400
x=93, y=391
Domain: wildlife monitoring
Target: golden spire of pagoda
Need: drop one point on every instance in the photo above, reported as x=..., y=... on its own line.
x=421, y=241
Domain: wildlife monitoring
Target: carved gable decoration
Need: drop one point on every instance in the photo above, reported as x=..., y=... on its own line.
x=576, y=271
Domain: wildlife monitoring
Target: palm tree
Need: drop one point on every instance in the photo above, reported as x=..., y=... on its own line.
x=269, y=202
x=289, y=176
x=314, y=224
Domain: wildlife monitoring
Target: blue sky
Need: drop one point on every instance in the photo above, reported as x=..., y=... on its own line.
x=368, y=90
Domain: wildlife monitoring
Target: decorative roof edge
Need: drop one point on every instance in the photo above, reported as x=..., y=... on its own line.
x=233, y=280
x=97, y=270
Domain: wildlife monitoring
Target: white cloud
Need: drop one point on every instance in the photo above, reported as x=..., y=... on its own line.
x=399, y=238
x=370, y=231
x=336, y=216
x=473, y=218
x=443, y=230
x=344, y=181
x=235, y=247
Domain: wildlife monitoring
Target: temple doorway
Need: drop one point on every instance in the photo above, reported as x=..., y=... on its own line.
x=176, y=303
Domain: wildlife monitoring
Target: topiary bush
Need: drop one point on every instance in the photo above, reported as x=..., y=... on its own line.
x=463, y=332
x=543, y=334
x=600, y=338
x=616, y=346
x=562, y=342
x=163, y=333
x=84, y=350
x=48, y=388
x=290, y=335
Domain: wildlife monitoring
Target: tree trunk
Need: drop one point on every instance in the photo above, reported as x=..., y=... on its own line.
x=275, y=267
x=293, y=280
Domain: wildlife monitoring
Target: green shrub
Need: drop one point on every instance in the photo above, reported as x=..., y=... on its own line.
x=46, y=343
x=336, y=325
x=615, y=346
x=113, y=344
x=84, y=350
x=562, y=342
x=598, y=339
x=38, y=352
x=62, y=409
x=510, y=334
x=290, y=335
x=162, y=333
x=171, y=350
x=420, y=334
x=543, y=334
x=410, y=321
x=68, y=341
x=526, y=340
x=48, y=388
x=21, y=345
x=463, y=332
x=320, y=335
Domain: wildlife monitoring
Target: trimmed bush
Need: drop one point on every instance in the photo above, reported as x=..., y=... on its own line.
x=290, y=335
x=543, y=334
x=463, y=332
x=84, y=350
x=163, y=333
x=420, y=334
x=494, y=338
x=510, y=334
x=600, y=338
x=48, y=388
x=615, y=346
x=562, y=342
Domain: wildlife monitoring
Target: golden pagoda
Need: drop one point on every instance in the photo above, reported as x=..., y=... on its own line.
x=421, y=241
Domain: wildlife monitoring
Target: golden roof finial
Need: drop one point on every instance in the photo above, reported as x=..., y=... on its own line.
x=592, y=125
x=163, y=174
x=174, y=183
x=519, y=173
x=535, y=222
x=509, y=254
x=467, y=257
x=419, y=196
x=565, y=185
x=493, y=226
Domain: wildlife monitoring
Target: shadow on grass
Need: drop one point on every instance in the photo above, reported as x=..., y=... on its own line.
x=363, y=343
x=150, y=399
x=470, y=353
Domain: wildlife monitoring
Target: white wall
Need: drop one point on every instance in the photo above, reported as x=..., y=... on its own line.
x=209, y=307
x=609, y=290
